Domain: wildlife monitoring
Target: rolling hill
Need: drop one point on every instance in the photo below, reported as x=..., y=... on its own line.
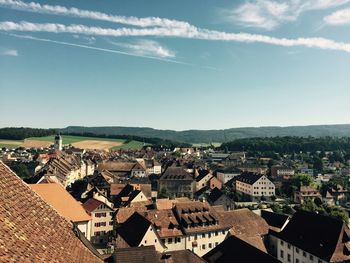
x=219, y=136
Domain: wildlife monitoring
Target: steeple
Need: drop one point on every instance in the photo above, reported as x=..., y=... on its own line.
x=58, y=142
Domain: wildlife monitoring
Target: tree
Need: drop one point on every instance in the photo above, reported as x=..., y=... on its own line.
x=21, y=170
x=318, y=164
x=77, y=188
x=289, y=188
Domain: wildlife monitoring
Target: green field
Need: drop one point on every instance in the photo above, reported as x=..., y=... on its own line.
x=134, y=145
x=68, y=139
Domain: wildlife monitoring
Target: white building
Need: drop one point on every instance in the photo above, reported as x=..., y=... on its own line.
x=255, y=186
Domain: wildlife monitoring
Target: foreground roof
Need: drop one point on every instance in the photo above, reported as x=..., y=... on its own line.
x=56, y=196
x=234, y=249
x=31, y=230
x=322, y=236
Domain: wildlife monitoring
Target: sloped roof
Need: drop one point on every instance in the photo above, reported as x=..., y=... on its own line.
x=274, y=219
x=56, y=196
x=176, y=173
x=31, y=230
x=234, y=249
x=91, y=204
x=249, y=178
x=246, y=225
x=215, y=194
x=319, y=235
x=181, y=256
x=144, y=254
x=134, y=229
x=116, y=166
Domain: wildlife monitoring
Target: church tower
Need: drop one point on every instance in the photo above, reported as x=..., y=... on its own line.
x=58, y=142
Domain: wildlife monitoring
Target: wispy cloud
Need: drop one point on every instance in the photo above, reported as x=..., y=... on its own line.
x=9, y=52
x=81, y=13
x=146, y=47
x=269, y=14
x=340, y=17
x=98, y=49
x=194, y=33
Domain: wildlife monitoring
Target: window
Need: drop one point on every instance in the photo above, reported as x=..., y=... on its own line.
x=216, y=243
x=170, y=240
x=145, y=241
x=209, y=235
x=288, y=246
x=282, y=243
x=203, y=246
x=178, y=239
x=296, y=260
x=297, y=250
x=289, y=257
x=311, y=257
x=281, y=254
x=319, y=261
x=304, y=254
x=216, y=233
x=203, y=235
x=111, y=223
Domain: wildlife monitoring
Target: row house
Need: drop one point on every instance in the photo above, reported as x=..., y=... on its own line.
x=101, y=220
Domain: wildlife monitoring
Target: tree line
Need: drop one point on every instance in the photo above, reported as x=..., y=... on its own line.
x=23, y=133
x=289, y=144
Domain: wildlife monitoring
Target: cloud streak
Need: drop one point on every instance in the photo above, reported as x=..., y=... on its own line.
x=98, y=49
x=75, y=12
x=192, y=33
x=340, y=17
x=269, y=14
x=146, y=47
x=9, y=52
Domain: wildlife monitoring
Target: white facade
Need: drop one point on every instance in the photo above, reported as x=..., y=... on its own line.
x=262, y=187
x=288, y=253
x=225, y=177
x=101, y=223
x=202, y=243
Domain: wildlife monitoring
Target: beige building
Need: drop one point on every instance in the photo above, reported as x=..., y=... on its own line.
x=56, y=196
x=255, y=186
x=101, y=220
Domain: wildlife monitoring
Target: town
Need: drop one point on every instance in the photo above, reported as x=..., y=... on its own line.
x=186, y=204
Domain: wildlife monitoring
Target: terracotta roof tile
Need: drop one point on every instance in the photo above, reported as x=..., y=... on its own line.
x=31, y=230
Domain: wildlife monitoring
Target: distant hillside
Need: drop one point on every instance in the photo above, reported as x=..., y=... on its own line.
x=208, y=136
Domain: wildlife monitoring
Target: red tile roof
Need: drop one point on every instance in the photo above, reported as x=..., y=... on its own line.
x=31, y=230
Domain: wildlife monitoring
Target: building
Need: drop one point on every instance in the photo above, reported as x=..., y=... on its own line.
x=56, y=196
x=58, y=143
x=138, y=231
x=33, y=231
x=247, y=226
x=234, y=249
x=254, y=186
x=175, y=181
x=227, y=174
x=202, y=178
x=282, y=172
x=123, y=169
x=306, y=193
x=101, y=220
x=202, y=226
x=217, y=197
x=310, y=237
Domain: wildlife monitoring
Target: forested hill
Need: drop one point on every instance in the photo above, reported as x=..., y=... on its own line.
x=208, y=136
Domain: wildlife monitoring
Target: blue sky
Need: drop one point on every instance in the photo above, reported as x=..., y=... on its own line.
x=174, y=64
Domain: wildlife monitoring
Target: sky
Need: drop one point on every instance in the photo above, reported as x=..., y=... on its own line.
x=174, y=64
